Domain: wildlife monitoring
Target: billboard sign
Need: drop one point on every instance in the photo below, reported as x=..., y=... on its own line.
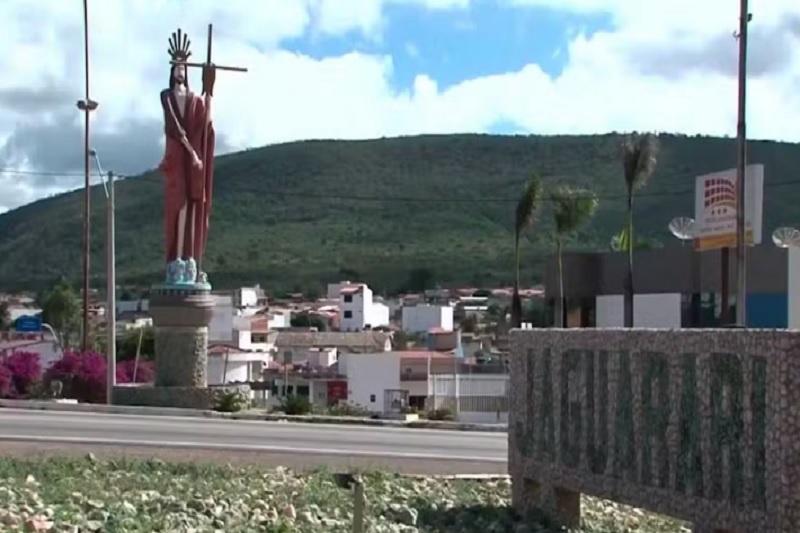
x=715, y=208
x=28, y=324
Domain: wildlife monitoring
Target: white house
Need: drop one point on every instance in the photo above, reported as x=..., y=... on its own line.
x=227, y=364
x=369, y=376
x=421, y=318
x=357, y=309
x=245, y=297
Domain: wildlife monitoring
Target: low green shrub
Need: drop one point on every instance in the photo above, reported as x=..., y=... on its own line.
x=296, y=405
x=231, y=400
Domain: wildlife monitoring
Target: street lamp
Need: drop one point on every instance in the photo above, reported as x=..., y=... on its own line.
x=111, y=281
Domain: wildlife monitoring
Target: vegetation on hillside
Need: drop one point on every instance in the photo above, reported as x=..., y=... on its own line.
x=397, y=213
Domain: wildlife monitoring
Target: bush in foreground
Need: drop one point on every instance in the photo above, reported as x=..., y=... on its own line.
x=6, y=383
x=83, y=376
x=26, y=371
x=136, y=496
x=296, y=405
x=145, y=371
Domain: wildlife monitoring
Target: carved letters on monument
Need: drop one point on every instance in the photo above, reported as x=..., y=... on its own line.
x=652, y=465
x=679, y=433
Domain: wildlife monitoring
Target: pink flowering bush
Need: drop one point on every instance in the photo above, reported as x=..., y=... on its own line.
x=21, y=374
x=83, y=376
x=26, y=372
x=145, y=371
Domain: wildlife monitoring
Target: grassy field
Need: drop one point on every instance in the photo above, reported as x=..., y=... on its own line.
x=60, y=494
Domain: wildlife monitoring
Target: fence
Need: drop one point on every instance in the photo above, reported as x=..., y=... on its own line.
x=479, y=398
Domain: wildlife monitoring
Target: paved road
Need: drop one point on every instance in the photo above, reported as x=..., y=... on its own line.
x=88, y=430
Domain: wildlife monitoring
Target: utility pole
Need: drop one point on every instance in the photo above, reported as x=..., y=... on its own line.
x=111, y=283
x=87, y=106
x=111, y=292
x=741, y=141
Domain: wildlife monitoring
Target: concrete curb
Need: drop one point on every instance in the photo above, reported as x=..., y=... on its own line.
x=38, y=405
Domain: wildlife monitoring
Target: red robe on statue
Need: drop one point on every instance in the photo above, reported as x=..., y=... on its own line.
x=187, y=189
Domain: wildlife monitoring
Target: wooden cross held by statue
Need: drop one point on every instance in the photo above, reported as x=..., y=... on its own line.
x=207, y=64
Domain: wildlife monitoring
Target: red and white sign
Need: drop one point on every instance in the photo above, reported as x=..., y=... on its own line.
x=715, y=208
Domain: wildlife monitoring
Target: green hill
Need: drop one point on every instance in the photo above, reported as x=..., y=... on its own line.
x=393, y=212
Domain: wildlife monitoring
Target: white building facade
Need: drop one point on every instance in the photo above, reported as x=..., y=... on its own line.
x=369, y=376
x=357, y=309
x=421, y=318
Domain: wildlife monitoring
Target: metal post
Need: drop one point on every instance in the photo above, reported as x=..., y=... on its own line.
x=86, y=193
x=359, y=503
x=111, y=290
x=741, y=244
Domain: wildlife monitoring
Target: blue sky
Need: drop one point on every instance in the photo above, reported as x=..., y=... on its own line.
x=455, y=46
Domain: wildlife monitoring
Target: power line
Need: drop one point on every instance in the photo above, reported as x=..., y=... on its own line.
x=406, y=199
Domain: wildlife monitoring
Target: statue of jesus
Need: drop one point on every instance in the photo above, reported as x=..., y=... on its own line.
x=187, y=166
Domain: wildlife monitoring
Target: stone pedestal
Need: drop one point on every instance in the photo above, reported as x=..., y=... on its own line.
x=180, y=319
x=181, y=315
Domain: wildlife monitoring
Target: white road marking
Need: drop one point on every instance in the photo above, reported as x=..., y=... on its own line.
x=243, y=447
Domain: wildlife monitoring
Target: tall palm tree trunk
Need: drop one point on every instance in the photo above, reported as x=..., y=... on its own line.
x=628, y=297
x=559, y=310
x=516, y=301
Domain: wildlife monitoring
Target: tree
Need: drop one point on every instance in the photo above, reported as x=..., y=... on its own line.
x=5, y=316
x=400, y=341
x=639, y=158
x=469, y=324
x=308, y=320
x=128, y=344
x=527, y=206
x=620, y=242
x=62, y=311
x=572, y=207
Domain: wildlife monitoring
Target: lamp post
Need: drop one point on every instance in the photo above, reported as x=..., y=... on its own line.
x=86, y=105
x=111, y=282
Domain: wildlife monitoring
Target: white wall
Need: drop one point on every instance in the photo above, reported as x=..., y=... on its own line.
x=241, y=367
x=443, y=389
x=649, y=311
x=245, y=297
x=280, y=319
x=237, y=370
x=378, y=315
x=793, y=289
x=368, y=376
x=358, y=309
x=421, y=318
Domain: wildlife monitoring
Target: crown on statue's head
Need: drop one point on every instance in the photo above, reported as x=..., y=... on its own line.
x=179, y=46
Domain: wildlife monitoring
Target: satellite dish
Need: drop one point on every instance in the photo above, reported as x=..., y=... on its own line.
x=786, y=237
x=682, y=228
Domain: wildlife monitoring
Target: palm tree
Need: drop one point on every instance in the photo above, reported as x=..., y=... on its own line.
x=639, y=157
x=572, y=207
x=527, y=206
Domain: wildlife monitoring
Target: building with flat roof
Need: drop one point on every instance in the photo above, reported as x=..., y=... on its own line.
x=677, y=287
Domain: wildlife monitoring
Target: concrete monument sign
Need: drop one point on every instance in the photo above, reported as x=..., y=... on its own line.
x=698, y=424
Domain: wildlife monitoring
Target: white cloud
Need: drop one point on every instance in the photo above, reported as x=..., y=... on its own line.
x=287, y=96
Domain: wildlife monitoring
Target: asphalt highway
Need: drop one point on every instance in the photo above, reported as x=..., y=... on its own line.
x=365, y=444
